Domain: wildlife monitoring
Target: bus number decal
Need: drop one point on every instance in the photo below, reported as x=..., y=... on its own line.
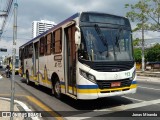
x=127, y=74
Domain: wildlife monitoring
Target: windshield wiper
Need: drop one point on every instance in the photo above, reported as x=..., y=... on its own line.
x=117, y=38
x=101, y=36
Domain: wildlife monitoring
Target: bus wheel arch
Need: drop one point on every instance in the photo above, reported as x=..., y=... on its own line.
x=27, y=77
x=56, y=87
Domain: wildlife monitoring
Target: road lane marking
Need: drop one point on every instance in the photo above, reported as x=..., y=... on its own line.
x=44, y=107
x=24, y=106
x=8, y=95
x=133, y=99
x=149, y=88
x=38, y=103
x=136, y=105
x=113, y=109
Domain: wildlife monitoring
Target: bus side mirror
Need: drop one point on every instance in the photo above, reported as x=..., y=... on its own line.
x=77, y=36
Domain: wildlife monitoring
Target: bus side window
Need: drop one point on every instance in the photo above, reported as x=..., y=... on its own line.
x=58, y=41
x=48, y=44
x=53, y=42
x=26, y=52
x=42, y=46
x=30, y=50
x=20, y=53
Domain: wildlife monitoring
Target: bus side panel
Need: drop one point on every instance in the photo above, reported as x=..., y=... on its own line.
x=49, y=70
x=42, y=70
x=28, y=66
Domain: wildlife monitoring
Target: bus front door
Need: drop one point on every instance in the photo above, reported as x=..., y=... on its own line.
x=70, y=63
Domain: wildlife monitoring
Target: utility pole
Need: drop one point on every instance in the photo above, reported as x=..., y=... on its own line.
x=13, y=58
x=143, y=59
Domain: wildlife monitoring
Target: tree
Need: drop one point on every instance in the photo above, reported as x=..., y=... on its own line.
x=136, y=42
x=154, y=14
x=137, y=55
x=139, y=14
x=153, y=53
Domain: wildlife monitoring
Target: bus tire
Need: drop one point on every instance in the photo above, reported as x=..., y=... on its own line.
x=27, y=78
x=57, y=88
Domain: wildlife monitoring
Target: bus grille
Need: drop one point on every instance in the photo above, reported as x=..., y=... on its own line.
x=113, y=67
x=107, y=83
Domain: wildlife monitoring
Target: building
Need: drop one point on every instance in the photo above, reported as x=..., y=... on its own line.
x=38, y=27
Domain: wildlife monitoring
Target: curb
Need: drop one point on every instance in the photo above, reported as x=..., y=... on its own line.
x=148, y=79
x=148, y=74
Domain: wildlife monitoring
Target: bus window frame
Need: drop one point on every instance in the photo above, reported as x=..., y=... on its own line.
x=58, y=50
x=26, y=52
x=42, y=46
x=48, y=45
x=53, y=43
x=30, y=50
x=20, y=53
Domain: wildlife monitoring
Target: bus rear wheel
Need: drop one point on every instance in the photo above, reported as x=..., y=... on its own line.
x=57, y=88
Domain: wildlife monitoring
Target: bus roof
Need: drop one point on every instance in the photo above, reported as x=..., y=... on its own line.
x=53, y=28
x=65, y=21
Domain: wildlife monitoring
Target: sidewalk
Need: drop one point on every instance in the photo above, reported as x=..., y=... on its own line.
x=5, y=110
x=21, y=111
x=148, y=73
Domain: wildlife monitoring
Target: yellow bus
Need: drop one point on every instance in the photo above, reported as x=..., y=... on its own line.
x=8, y=61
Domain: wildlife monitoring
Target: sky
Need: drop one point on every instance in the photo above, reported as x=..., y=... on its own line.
x=57, y=11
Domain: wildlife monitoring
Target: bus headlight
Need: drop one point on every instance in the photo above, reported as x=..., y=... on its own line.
x=87, y=75
x=133, y=75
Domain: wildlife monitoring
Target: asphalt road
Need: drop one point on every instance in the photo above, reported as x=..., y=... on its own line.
x=145, y=102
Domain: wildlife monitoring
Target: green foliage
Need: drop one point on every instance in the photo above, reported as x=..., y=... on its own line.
x=153, y=53
x=137, y=55
x=154, y=14
x=138, y=13
x=136, y=42
x=146, y=13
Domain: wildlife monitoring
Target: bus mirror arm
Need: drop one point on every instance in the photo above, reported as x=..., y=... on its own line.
x=77, y=37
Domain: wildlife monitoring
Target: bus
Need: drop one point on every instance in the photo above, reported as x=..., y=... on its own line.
x=87, y=56
x=9, y=61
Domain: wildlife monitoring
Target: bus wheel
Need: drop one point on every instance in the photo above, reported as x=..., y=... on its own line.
x=27, y=78
x=57, y=88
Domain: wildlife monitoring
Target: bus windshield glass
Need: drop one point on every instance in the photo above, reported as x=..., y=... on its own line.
x=16, y=63
x=105, y=44
x=104, y=18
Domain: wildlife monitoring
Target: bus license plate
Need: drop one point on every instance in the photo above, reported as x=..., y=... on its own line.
x=115, y=84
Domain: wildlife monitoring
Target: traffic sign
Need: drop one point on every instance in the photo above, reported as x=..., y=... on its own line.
x=3, y=50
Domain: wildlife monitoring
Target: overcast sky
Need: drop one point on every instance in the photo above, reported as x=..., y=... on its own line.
x=57, y=11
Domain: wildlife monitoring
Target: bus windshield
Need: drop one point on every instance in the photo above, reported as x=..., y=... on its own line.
x=105, y=44
x=16, y=63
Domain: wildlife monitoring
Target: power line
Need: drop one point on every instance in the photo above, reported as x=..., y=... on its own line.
x=5, y=15
x=9, y=21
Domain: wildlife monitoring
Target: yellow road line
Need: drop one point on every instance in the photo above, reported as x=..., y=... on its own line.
x=44, y=107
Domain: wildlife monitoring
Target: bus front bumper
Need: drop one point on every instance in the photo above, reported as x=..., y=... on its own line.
x=98, y=93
